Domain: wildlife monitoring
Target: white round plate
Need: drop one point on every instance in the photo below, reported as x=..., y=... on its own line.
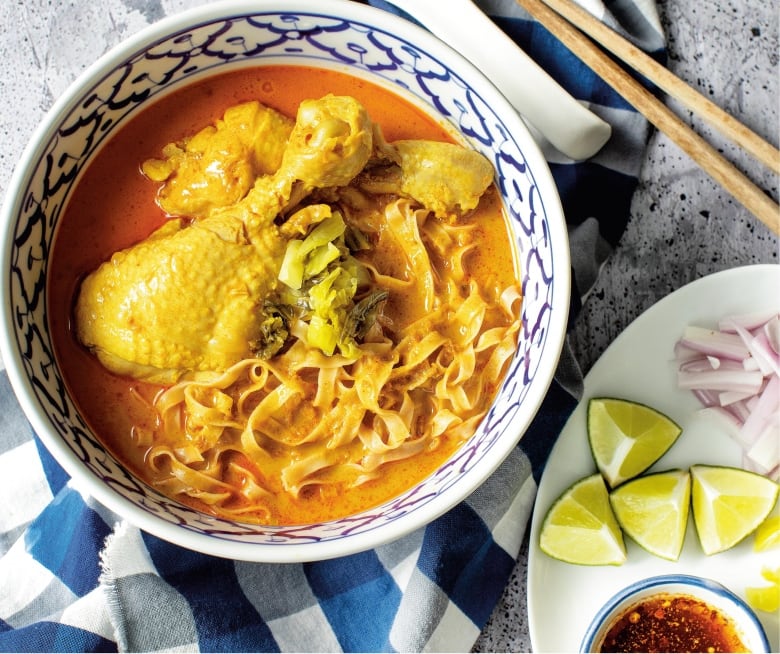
x=640, y=366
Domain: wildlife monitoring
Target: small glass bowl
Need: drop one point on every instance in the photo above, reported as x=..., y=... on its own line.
x=746, y=625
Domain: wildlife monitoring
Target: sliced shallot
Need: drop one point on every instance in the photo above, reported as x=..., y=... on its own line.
x=734, y=372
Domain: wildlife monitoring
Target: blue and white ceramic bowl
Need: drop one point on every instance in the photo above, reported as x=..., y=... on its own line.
x=747, y=625
x=190, y=47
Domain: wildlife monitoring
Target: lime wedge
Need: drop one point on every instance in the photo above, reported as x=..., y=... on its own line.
x=729, y=504
x=653, y=510
x=772, y=575
x=768, y=534
x=580, y=527
x=626, y=437
x=765, y=598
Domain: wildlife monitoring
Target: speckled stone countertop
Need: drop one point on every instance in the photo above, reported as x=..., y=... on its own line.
x=682, y=225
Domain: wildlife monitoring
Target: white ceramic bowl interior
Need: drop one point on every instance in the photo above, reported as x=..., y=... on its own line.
x=713, y=593
x=334, y=34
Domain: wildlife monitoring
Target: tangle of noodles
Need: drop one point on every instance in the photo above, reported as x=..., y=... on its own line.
x=298, y=319
x=303, y=422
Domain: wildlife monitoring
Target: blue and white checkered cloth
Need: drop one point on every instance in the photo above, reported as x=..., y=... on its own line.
x=75, y=577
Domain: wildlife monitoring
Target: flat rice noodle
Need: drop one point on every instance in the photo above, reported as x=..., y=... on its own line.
x=296, y=475
x=501, y=354
x=467, y=321
x=462, y=368
x=326, y=388
x=443, y=421
x=402, y=224
x=373, y=460
x=251, y=488
x=511, y=299
x=191, y=481
x=415, y=352
x=340, y=426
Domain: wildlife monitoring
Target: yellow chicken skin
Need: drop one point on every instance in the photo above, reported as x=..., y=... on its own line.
x=218, y=165
x=445, y=178
x=189, y=297
x=330, y=144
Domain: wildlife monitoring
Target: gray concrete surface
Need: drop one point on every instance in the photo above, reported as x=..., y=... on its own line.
x=682, y=225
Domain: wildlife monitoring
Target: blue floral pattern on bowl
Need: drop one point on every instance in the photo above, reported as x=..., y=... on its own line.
x=86, y=119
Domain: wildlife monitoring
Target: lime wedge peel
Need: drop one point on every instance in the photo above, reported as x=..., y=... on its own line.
x=580, y=526
x=767, y=535
x=586, y=523
x=653, y=511
x=627, y=437
x=766, y=598
x=729, y=504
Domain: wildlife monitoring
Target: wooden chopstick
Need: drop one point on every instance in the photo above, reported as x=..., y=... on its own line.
x=705, y=155
x=667, y=81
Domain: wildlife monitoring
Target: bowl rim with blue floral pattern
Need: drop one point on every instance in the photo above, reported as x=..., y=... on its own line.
x=189, y=46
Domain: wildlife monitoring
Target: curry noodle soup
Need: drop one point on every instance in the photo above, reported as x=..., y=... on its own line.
x=284, y=295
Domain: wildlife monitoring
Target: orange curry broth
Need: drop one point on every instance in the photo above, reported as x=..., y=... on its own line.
x=113, y=206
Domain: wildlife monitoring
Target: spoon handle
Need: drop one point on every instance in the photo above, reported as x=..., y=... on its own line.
x=549, y=109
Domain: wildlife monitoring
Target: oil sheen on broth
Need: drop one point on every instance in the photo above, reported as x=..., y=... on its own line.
x=114, y=207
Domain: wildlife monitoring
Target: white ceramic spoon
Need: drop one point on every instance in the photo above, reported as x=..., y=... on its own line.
x=547, y=108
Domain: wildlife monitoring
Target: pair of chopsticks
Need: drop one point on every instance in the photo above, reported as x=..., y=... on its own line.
x=570, y=24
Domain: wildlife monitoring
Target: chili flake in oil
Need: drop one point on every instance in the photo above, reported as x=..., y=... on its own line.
x=672, y=623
